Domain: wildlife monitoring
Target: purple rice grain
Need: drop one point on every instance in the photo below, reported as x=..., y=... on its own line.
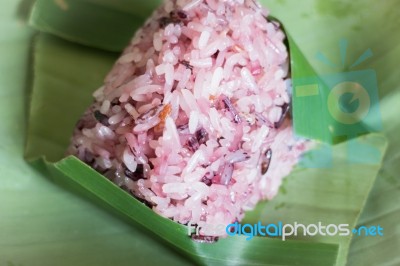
x=266, y=161
x=102, y=118
x=134, y=176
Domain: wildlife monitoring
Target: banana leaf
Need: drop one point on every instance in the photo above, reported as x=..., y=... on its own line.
x=383, y=203
x=92, y=22
x=47, y=105
x=35, y=149
x=55, y=88
x=378, y=31
x=89, y=223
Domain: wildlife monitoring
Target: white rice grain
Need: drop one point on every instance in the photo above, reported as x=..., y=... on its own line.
x=193, y=121
x=204, y=37
x=129, y=161
x=260, y=138
x=201, y=63
x=179, y=188
x=105, y=107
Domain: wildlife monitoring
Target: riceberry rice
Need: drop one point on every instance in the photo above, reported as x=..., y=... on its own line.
x=188, y=118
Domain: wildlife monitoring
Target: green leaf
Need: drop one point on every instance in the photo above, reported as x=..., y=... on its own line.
x=318, y=26
x=331, y=196
x=70, y=169
x=57, y=87
x=308, y=22
x=73, y=173
x=383, y=203
x=98, y=23
x=56, y=69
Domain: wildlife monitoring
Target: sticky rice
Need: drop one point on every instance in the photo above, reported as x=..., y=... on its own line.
x=193, y=119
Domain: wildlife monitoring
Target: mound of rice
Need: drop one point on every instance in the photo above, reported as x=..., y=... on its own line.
x=192, y=119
